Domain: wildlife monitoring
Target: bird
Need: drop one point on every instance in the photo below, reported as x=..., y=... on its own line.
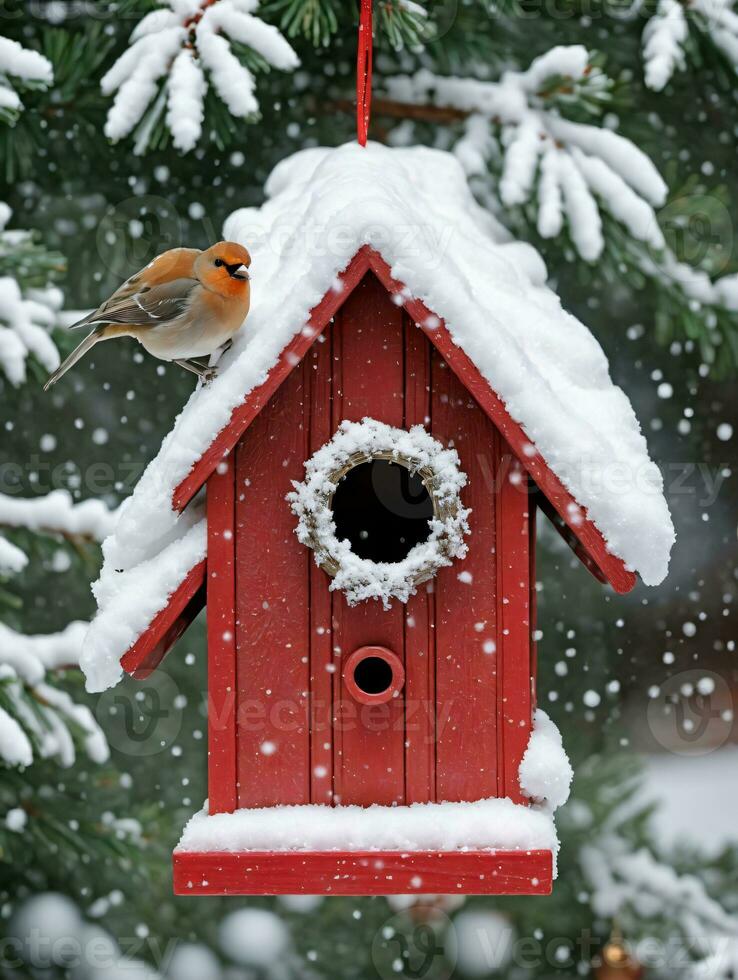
x=185, y=304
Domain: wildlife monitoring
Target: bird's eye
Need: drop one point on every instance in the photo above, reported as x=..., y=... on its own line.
x=218, y=263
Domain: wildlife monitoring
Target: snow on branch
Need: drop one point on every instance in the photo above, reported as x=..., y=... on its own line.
x=663, y=43
x=667, y=42
x=37, y=720
x=174, y=50
x=26, y=317
x=31, y=656
x=12, y=559
x=24, y=326
x=628, y=882
x=569, y=172
x=696, y=287
x=722, y=964
x=20, y=68
x=57, y=513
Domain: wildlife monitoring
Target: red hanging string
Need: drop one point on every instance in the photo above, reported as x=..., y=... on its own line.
x=364, y=73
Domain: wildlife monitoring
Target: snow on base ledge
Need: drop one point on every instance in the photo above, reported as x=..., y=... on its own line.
x=489, y=824
x=492, y=824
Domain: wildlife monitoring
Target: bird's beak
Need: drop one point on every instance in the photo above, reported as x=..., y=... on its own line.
x=238, y=271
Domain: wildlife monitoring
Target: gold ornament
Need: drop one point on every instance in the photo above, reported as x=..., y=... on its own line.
x=616, y=962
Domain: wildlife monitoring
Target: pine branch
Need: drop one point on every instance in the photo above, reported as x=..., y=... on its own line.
x=56, y=513
x=175, y=59
x=27, y=315
x=21, y=70
x=315, y=20
x=404, y=24
x=396, y=109
x=48, y=839
x=557, y=181
x=699, y=32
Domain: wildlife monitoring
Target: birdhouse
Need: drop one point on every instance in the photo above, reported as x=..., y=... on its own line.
x=406, y=400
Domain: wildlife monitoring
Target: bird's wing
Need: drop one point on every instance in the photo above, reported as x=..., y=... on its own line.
x=169, y=267
x=151, y=306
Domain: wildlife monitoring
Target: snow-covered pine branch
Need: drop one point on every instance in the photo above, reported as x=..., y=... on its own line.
x=632, y=886
x=176, y=52
x=663, y=43
x=20, y=68
x=569, y=172
x=405, y=23
x=37, y=720
x=26, y=316
x=12, y=558
x=695, y=284
x=558, y=175
x=667, y=41
x=721, y=964
x=56, y=514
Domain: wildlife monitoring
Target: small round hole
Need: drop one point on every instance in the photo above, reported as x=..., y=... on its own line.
x=373, y=675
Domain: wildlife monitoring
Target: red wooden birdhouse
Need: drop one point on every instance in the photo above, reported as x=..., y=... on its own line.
x=372, y=717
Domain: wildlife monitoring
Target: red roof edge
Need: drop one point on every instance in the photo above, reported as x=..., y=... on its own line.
x=589, y=537
x=168, y=625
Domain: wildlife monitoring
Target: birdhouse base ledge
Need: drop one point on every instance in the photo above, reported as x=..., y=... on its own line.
x=483, y=872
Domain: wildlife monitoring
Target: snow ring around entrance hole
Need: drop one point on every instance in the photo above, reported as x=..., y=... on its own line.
x=357, y=443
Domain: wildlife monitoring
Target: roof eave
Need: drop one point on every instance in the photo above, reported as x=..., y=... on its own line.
x=183, y=605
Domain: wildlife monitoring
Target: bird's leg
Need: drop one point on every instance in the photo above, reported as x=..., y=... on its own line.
x=189, y=366
x=204, y=373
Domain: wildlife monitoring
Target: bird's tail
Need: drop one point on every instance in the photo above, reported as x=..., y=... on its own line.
x=90, y=340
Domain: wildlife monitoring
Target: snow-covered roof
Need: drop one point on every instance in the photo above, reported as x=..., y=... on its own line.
x=414, y=207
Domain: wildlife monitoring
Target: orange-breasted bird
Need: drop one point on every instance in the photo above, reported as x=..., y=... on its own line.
x=184, y=304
